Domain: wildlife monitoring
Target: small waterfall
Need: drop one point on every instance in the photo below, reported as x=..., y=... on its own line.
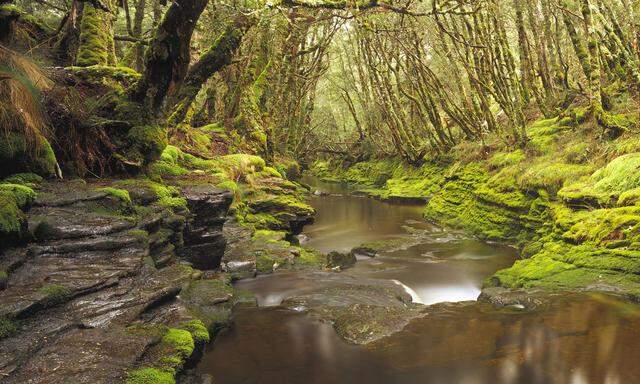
x=414, y=296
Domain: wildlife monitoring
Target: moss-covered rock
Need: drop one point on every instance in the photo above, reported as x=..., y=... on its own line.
x=608, y=184
x=21, y=155
x=198, y=331
x=27, y=179
x=13, y=222
x=54, y=294
x=341, y=260
x=146, y=143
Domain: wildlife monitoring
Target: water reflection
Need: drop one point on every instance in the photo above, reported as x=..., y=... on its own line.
x=572, y=339
x=435, y=264
x=585, y=339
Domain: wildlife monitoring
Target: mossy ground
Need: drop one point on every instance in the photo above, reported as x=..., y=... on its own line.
x=569, y=200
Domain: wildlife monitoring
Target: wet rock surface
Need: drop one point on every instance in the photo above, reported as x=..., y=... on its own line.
x=341, y=260
x=361, y=310
x=204, y=241
x=88, y=298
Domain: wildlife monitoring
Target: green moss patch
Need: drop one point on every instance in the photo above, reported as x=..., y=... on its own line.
x=608, y=184
x=54, y=294
x=150, y=376
x=7, y=327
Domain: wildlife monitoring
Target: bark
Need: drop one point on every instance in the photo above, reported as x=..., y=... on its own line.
x=138, y=18
x=168, y=55
x=97, y=45
x=67, y=46
x=217, y=57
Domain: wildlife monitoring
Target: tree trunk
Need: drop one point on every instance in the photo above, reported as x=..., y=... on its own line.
x=217, y=57
x=96, y=35
x=168, y=54
x=138, y=18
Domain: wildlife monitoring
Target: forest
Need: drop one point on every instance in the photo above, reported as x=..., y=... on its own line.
x=314, y=191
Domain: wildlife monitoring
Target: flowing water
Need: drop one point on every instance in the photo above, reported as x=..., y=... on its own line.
x=576, y=339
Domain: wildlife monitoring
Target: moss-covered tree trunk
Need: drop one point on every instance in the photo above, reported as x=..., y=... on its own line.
x=97, y=46
x=592, y=66
x=137, y=32
x=217, y=57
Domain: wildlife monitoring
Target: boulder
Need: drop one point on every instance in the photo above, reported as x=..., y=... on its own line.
x=342, y=260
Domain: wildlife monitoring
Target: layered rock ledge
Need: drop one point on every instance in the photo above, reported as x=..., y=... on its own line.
x=102, y=289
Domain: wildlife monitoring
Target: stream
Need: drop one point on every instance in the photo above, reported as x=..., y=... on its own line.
x=570, y=338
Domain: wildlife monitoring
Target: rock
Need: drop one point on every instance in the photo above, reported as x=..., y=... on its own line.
x=92, y=292
x=503, y=297
x=364, y=251
x=239, y=266
x=302, y=239
x=204, y=242
x=361, y=310
x=342, y=260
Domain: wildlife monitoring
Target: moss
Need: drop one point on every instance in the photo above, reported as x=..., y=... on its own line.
x=260, y=220
x=22, y=155
x=605, y=186
x=198, y=331
x=577, y=153
x=505, y=159
x=12, y=219
x=54, y=294
x=120, y=194
x=146, y=143
x=22, y=195
x=268, y=235
x=96, y=45
x=179, y=340
x=605, y=225
x=207, y=291
x=310, y=258
x=288, y=168
x=7, y=327
x=630, y=197
x=229, y=185
x=28, y=179
x=550, y=175
x=150, y=376
x=105, y=74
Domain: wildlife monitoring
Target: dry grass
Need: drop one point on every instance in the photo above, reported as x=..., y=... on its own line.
x=21, y=84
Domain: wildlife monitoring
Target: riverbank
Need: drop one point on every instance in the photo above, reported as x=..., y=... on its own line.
x=569, y=201
x=126, y=280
